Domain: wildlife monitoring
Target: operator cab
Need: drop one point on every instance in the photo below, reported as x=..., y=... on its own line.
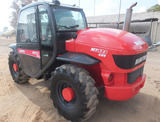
x=42, y=30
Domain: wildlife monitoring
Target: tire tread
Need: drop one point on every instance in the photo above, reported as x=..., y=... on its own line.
x=86, y=84
x=22, y=77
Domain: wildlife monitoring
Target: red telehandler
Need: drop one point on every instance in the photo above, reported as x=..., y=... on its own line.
x=54, y=42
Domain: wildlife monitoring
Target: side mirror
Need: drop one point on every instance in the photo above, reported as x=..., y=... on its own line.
x=20, y=31
x=74, y=36
x=28, y=40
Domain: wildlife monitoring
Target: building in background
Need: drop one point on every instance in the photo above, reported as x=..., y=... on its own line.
x=142, y=24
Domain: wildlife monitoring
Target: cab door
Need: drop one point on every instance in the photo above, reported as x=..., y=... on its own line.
x=46, y=35
x=27, y=41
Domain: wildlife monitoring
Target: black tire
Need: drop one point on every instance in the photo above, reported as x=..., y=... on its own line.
x=85, y=101
x=18, y=76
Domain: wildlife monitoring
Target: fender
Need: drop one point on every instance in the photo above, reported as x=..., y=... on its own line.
x=14, y=48
x=78, y=58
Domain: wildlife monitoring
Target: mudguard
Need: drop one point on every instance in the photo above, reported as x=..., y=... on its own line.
x=78, y=58
x=14, y=48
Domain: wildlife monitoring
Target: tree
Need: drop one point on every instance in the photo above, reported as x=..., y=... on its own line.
x=154, y=8
x=5, y=29
x=16, y=5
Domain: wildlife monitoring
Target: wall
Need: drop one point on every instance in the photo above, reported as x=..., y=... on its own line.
x=157, y=38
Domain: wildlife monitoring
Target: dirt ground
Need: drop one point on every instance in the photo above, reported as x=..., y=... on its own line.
x=31, y=102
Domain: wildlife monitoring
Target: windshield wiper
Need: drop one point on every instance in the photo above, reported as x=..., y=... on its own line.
x=63, y=26
x=74, y=26
x=67, y=27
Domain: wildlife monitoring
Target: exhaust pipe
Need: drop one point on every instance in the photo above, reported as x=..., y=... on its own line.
x=128, y=17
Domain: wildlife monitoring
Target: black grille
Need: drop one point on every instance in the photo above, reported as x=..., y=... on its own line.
x=131, y=77
x=128, y=61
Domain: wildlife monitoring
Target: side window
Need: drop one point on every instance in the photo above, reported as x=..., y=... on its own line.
x=46, y=34
x=26, y=31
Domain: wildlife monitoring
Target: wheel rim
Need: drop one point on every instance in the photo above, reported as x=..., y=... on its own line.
x=66, y=94
x=15, y=67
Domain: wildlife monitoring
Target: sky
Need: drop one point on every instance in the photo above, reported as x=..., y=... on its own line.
x=102, y=7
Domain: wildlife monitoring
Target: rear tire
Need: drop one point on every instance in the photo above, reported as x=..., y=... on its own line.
x=18, y=76
x=84, y=103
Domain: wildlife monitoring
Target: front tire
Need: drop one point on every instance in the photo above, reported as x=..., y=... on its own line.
x=83, y=104
x=17, y=73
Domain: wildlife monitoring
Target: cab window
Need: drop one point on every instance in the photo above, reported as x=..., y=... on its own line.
x=46, y=34
x=26, y=31
x=69, y=20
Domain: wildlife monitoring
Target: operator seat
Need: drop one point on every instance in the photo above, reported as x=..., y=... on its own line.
x=68, y=21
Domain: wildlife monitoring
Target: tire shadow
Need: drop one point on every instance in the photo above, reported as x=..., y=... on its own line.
x=141, y=108
x=38, y=93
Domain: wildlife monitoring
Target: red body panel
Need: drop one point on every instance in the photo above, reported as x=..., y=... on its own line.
x=102, y=44
x=34, y=53
x=125, y=92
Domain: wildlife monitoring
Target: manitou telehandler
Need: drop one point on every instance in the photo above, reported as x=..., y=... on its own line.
x=54, y=42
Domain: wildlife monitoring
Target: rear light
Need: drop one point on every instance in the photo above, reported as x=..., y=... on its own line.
x=107, y=78
x=110, y=78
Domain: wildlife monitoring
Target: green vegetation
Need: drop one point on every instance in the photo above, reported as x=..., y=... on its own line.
x=154, y=8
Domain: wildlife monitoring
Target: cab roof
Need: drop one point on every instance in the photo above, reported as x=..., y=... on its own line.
x=50, y=3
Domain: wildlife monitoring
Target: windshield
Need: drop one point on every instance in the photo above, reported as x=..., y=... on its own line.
x=67, y=20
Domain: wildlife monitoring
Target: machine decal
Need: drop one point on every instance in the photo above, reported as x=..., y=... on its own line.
x=101, y=52
x=34, y=53
x=141, y=59
x=139, y=42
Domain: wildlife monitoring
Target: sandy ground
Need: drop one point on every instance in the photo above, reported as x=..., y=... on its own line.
x=31, y=102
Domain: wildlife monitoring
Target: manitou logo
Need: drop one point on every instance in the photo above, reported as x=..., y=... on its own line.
x=21, y=51
x=139, y=42
x=101, y=52
x=139, y=60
